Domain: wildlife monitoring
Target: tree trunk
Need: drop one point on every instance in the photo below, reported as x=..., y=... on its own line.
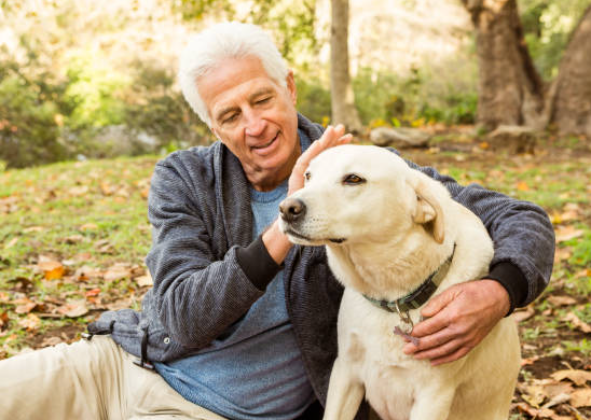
x=342, y=96
x=511, y=91
x=572, y=103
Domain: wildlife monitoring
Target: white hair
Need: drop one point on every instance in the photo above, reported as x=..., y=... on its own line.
x=208, y=48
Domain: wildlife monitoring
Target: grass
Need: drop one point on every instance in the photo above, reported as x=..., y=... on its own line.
x=85, y=215
x=92, y=216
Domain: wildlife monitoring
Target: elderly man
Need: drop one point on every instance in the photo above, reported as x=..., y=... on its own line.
x=240, y=324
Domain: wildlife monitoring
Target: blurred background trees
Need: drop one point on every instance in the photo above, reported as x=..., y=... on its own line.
x=84, y=79
x=511, y=88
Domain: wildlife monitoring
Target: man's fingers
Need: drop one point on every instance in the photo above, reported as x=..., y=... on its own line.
x=333, y=136
x=428, y=327
x=437, y=339
x=438, y=303
x=441, y=351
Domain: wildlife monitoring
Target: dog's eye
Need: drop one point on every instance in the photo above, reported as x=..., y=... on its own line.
x=307, y=176
x=353, y=179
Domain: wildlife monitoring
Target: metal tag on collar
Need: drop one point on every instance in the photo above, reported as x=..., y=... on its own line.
x=405, y=320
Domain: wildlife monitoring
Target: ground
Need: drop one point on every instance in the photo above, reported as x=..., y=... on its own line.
x=74, y=236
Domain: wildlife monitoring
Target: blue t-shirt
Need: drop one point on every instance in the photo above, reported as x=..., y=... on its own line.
x=255, y=369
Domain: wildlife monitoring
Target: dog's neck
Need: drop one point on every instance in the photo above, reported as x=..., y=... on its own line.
x=387, y=270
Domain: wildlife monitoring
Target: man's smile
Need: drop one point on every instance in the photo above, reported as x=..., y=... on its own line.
x=265, y=148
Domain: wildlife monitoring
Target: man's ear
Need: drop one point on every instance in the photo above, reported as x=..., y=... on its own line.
x=291, y=87
x=215, y=133
x=428, y=212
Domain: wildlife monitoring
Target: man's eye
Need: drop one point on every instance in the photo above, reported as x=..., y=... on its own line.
x=353, y=179
x=263, y=100
x=230, y=119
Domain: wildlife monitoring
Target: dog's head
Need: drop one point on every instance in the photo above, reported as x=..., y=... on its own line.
x=356, y=194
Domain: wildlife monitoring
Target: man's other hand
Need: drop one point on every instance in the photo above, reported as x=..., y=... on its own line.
x=457, y=320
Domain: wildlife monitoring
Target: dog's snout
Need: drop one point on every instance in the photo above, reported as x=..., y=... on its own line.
x=292, y=209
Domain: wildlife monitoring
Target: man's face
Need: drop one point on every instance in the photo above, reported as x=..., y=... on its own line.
x=255, y=117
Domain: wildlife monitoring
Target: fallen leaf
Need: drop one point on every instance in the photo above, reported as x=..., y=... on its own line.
x=534, y=395
x=522, y=186
x=25, y=308
x=106, y=188
x=118, y=272
x=82, y=257
x=581, y=398
x=104, y=246
x=565, y=233
x=524, y=314
x=144, y=280
x=88, y=226
x=527, y=361
x=34, y=229
x=577, y=323
x=561, y=300
x=579, y=377
x=86, y=273
x=52, y=270
x=534, y=412
x=11, y=243
x=51, y=341
x=74, y=309
x=555, y=389
x=30, y=323
x=556, y=400
x=92, y=292
x=4, y=319
x=78, y=191
x=562, y=254
x=73, y=239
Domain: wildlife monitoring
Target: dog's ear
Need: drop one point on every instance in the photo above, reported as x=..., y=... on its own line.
x=428, y=211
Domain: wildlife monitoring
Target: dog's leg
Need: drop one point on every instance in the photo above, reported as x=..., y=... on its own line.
x=432, y=403
x=344, y=393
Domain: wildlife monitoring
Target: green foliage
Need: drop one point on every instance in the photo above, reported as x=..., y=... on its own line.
x=154, y=107
x=89, y=110
x=313, y=99
x=198, y=9
x=414, y=99
x=94, y=92
x=548, y=25
x=29, y=104
x=583, y=346
x=292, y=23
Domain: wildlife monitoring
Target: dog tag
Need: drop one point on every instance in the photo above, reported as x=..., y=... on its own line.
x=406, y=336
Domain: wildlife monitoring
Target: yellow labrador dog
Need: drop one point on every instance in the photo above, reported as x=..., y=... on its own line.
x=394, y=237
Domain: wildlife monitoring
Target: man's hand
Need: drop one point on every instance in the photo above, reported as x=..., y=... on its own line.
x=333, y=136
x=457, y=320
x=275, y=241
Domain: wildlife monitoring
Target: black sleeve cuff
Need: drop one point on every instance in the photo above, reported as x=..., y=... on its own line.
x=513, y=280
x=257, y=264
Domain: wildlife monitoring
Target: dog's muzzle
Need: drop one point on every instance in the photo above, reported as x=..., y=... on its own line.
x=292, y=210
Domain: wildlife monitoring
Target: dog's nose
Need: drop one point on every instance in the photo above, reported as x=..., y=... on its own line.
x=292, y=209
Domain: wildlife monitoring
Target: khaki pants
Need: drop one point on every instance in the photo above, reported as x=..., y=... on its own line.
x=88, y=380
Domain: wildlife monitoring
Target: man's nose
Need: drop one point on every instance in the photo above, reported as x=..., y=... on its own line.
x=255, y=124
x=292, y=209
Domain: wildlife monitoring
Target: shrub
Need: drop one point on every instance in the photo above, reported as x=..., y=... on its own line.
x=29, y=126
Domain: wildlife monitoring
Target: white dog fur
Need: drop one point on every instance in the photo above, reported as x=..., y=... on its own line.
x=386, y=228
